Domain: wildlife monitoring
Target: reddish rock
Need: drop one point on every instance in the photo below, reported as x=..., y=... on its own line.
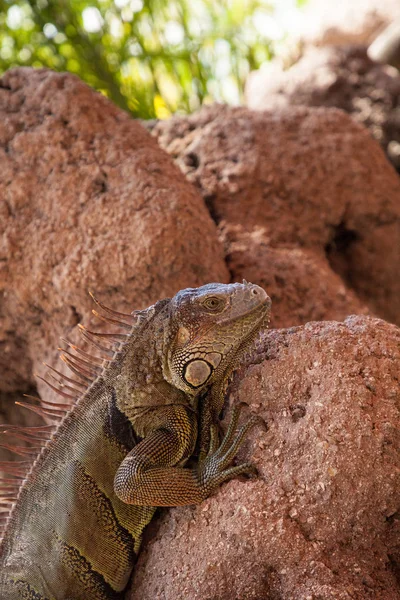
x=341, y=77
x=88, y=200
x=321, y=520
x=301, y=177
x=300, y=282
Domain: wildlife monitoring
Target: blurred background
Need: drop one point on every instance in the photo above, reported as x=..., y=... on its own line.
x=153, y=58
x=156, y=58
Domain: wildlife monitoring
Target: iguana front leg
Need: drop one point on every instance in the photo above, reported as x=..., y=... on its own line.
x=210, y=411
x=149, y=475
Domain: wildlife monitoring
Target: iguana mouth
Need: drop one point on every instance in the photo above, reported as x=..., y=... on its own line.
x=259, y=323
x=263, y=309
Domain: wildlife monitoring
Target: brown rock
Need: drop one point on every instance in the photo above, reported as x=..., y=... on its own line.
x=87, y=200
x=300, y=282
x=321, y=520
x=341, y=77
x=301, y=177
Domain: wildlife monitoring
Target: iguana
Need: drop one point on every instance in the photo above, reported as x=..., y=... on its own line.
x=129, y=423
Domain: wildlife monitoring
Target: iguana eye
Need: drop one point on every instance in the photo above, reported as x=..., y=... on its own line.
x=214, y=304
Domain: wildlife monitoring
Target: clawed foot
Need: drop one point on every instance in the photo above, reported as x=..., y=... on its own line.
x=214, y=469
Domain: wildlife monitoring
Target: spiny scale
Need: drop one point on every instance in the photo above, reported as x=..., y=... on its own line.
x=17, y=466
x=87, y=368
x=5, y=481
x=63, y=385
x=49, y=403
x=112, y=337
x=79, y=361
x=112, y=321
x=26, y=436
x=56, y=389
x=73, y=381
x=56, y=405
x=114, y=313
x=32, y=432
x=97, y=360
x=84, y=375
x=17, y=472
x=88, y=338
x=22, y=450
x=43, y=412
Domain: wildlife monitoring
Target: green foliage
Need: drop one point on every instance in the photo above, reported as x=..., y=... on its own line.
x=151, y=57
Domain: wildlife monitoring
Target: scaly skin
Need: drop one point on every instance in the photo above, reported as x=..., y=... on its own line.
x=75, y=530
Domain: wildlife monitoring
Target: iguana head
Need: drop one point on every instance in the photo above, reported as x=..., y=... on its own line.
x=210, y=327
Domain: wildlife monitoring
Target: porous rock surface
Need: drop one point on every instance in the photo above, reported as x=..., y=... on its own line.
x=341, y=77
x=88, y=200
x=299, y=177
x=302, y=284
x=321, y=521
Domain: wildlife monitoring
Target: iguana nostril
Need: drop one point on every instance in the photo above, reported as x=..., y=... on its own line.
x=259, y=295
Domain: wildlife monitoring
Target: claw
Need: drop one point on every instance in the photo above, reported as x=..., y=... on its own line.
x=245, y=469
x=238, y=440
x=215, y=469
x=229, y=435
x=214, y=439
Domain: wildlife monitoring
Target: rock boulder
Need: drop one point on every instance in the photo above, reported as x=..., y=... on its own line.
x=322, y=519
x=341, y=77
x=307, y=178
x=88, y=201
